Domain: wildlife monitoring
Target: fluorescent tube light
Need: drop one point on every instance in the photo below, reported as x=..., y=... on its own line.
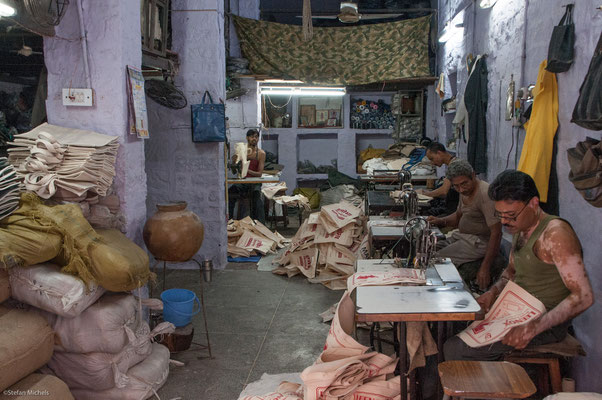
x=303, y=91
x=6, y=10
x=280, y=81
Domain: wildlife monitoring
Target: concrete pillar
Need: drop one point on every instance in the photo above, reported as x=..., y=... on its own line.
x=113, y=30
x=177, y=168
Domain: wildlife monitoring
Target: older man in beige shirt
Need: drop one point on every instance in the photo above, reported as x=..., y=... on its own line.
x=479, y=231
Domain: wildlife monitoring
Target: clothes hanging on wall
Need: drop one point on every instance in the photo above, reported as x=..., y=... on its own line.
x=461, y=118
x=536, y=156
x=475, y=99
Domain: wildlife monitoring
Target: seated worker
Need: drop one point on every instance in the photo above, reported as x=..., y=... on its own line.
x=479, y=231
x=256, y=156
x=546, y=260
x=445, y=197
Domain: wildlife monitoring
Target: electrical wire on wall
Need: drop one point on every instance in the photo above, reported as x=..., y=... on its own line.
x=510, y=151
x=264, y=109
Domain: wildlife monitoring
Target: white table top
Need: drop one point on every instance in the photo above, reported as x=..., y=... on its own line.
x=255, y=179
x=443, y=293
x=415, y=300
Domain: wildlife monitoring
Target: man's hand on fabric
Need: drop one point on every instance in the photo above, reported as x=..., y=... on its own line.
x=520, y=336
x=486, y=300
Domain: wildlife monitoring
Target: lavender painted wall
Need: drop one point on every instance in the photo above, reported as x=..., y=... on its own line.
x=177, y=168
x=113, y=29
x=498, y=32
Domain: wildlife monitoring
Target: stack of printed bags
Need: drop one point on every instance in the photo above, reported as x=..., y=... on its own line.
x=9, y=188
x=65, y=163
x=326, y=246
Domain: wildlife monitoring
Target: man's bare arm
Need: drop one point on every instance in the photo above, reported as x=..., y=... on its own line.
x=451, y=220
x=561, y=247
x=487, y=299
x=441, y=191
x=493, y=248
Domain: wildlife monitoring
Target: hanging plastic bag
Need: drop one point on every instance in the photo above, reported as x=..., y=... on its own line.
x=588, y=109
x=561, y=48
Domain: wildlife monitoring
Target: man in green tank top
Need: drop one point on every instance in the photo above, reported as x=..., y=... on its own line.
x=546, y=260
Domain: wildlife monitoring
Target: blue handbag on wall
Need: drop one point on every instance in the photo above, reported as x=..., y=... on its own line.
x=208, y=121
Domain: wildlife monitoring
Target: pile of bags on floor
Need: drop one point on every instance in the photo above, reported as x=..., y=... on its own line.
x=247, y=237
x=70, y=165
x=345, y=369
x=92, y=340
x=325, y=247
x=10, y=187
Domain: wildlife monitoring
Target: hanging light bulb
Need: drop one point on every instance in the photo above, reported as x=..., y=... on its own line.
x=487, y=3
x=6, y=10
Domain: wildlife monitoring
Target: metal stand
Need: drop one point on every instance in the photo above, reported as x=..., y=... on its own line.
x=202, y=346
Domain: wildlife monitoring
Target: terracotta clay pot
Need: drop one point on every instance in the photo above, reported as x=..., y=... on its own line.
x=173, y=233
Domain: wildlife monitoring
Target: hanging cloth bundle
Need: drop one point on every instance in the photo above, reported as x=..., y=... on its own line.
x=308, y=28
x=560, y=50
x=585, y=160
x=588, y=109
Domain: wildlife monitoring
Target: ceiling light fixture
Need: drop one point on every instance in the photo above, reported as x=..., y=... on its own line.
x=6, y=10
x=281, y=81
x=303, y=91
x=487, y=3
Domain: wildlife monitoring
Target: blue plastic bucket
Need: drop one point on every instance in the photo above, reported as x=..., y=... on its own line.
x=178, y=306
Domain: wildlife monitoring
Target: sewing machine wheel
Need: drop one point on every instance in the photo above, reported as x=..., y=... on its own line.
x=414, y=228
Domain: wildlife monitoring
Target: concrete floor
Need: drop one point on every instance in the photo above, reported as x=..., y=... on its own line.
x=258, y=322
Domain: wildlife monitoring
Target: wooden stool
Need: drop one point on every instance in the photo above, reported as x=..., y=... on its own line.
x=548, y=357
x=485, y=380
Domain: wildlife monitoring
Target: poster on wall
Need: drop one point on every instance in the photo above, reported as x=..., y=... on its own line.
x=137, y=117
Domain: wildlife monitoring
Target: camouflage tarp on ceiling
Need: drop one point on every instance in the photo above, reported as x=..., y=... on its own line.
x=353, y=55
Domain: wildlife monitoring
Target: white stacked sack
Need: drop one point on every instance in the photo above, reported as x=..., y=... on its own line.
x=45, y=287
x=63, y=162
x=99, y=348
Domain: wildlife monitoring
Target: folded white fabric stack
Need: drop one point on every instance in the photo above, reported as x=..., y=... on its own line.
x=9, y=188
x=66, y=163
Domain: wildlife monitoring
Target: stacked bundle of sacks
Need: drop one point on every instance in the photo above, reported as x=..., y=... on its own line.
x=70, y=165
x=326, y=246
x=27, y=344
x=95, y=341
